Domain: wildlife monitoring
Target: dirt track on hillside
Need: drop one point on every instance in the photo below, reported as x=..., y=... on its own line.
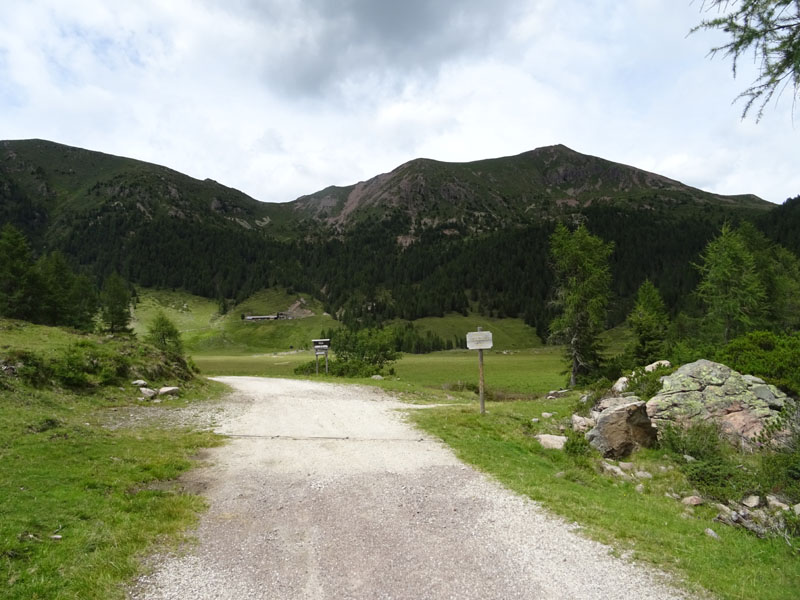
x=325, y=492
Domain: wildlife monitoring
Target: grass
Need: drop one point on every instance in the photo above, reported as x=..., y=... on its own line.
x=85, y=494
x=205, y=332
x=507, y=334
x=649, y=526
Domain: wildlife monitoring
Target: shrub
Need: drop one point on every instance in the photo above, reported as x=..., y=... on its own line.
x=576, y=444
x=765, y=354
x=164, y=335
x=646, y=385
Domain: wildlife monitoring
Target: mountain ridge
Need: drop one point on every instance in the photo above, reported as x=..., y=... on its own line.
x=545, y=182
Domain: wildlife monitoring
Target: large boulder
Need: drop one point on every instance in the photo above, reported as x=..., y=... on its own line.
x=621, y=430
x=705, y=391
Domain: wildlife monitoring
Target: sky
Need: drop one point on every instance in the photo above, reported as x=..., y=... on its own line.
x=281, y=98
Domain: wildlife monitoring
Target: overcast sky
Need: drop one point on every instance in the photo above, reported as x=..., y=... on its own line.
x=280, y=98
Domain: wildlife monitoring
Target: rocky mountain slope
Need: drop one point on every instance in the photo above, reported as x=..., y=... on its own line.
x=490, y=194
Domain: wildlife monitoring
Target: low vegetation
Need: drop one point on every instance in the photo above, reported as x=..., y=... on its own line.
x=88, y=479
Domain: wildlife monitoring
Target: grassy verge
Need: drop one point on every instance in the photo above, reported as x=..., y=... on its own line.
x=86, y=490
x=647, y=526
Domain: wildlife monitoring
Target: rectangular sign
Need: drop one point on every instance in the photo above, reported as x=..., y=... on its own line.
x=479, y=340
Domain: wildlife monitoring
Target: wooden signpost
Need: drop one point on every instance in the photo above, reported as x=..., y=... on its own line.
x=480, y=340
x=321, y=349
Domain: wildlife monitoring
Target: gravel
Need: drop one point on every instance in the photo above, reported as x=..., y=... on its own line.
x=324, y=491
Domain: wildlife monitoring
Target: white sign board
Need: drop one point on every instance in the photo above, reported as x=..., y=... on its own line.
x=479, y=340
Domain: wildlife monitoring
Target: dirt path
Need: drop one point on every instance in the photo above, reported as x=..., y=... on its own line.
x=325, y=492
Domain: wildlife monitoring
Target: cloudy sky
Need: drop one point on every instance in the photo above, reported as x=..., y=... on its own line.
x=280, y=98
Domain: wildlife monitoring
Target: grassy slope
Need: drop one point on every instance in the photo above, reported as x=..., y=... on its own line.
x=205, y=332
x=649, y=526
x=507, y=334
x=65, y=472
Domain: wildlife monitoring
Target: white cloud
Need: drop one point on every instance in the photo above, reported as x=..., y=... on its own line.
x=280, y=99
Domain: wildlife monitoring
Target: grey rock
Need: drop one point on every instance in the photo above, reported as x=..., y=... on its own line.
x=774, y=504
x=614, y=402
x=752, y=501
x=626, y=466
x=705, y=391
x=582, y=424
x=377, y=377
x=168, y=391
x=639, y=489
x=147, y=392
x=610, y=469
x=656, y=365
x=689, y=458
x=643, y=475
x=796, y=509
x=620, y=385
x=552, y=442
x=547, y=415
x=534, y=420
x=692, y=501
x=621, y=430
x=139, y=383
x=712, y=534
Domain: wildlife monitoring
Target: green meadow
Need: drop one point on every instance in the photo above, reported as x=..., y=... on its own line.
x=644, y=524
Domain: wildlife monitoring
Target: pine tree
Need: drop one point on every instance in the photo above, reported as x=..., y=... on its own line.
x=649, y=322
x=583, y=287
x=730, y=286
x=115, y=300
x=18, y=282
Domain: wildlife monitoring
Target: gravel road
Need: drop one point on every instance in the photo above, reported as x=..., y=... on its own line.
x=324, y=492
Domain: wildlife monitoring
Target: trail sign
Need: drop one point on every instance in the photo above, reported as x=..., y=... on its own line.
x=479, y=340
x=321, y=349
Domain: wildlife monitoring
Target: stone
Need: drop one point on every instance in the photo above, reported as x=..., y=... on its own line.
x=643, y=475
x=547, y=415
x=551, y=442
x=774, y=504
x=534, y=420
x=621, y=430
x=147, y=392
x=657, y=365
x=692, y=501
x=626, y=466
x=614, y=401
x=610, y=469
x=689, y=458
x=582, y=424
x=796, y=509
x=377, y=377
x=168, y=391
x=140, y=383
x=620, y=385
x=639, y=489
x=712, y=534
x=705, y=391
x=752, y=501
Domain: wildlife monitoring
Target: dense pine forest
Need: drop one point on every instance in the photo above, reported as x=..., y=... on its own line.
x=157, y=228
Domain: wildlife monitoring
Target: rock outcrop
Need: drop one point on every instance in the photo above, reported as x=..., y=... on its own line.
x=621, y=430
x=705, y=391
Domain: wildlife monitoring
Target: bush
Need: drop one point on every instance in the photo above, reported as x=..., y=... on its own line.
x=765, y=354
x=360, y=353
x=646, y=385
x=164, y=335
x=576, y=444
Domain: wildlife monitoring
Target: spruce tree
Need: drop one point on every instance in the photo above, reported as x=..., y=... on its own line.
x=115, y=300
x=583, y=288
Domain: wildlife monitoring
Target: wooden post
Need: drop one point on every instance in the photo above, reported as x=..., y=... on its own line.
x=317, y=359
x=480, y=373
